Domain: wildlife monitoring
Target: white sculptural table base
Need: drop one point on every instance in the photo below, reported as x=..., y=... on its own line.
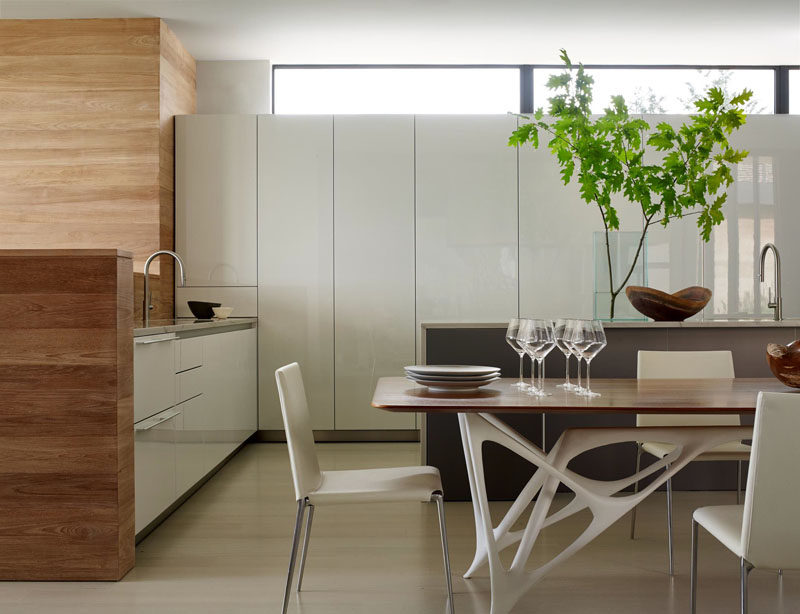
x=604, y=499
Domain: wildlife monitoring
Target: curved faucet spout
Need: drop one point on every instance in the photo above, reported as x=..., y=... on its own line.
x=776, y=304
x=147, y=298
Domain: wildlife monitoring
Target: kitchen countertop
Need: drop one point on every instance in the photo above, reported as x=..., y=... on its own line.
x=793, y=323
x=178, y=325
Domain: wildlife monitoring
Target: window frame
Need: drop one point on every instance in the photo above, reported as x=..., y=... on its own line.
x=526, y=101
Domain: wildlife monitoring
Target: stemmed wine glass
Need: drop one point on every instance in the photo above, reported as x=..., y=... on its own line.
x=512, y=332
x=589, y=338
x=529, y=342
x=562, y=330
x=538, y=341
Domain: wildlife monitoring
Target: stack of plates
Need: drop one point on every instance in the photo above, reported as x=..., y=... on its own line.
x=452, y=377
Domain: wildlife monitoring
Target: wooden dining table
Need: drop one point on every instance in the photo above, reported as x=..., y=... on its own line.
x=605, y=499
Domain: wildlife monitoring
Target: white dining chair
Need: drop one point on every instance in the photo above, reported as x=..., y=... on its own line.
x=763, y=532
x=314, y=487
x=687, y=365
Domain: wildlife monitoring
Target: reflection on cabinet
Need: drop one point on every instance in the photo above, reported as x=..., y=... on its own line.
x=212, y=410
x=466, y=227
x=215, y=198
x=295, y=285
x=373, y=239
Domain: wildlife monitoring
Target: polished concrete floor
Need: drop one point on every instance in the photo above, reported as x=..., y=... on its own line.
x=226, y=551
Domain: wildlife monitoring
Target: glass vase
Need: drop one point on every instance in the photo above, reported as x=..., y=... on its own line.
x=623, y=247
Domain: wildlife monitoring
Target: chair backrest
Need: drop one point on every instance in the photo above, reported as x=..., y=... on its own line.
x=770, y=534
x=299, y=436
x=685, y=365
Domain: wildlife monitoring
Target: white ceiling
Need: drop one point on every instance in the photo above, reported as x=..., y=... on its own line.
x=465, y=31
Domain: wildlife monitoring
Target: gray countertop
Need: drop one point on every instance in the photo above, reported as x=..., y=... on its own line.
x=179, y=325
x=642, y=324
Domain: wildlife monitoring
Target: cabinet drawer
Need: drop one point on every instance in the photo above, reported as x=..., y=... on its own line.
x=153, y=374
x=191, y=459
x=189, y=384
x=188, y=354
x=154, y=451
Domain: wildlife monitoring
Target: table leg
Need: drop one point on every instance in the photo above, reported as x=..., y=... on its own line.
x=509, y=585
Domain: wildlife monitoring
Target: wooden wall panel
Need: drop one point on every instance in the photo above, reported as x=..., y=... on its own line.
x=66, y=415
x=86, y=158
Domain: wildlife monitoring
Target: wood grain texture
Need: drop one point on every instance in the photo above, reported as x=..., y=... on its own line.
x=66, y=415
x=86, y=112
x=617, y=396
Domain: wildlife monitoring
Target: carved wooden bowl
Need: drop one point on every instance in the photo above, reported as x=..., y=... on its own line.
x=784, y=362
x=663, y=307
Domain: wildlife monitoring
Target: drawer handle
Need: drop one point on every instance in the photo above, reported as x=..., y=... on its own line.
x=147, y=341
x=146, y=425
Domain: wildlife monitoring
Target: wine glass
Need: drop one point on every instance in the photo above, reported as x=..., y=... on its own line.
x=590, y=339
x=511, y=338
x=561, y=332
x=528, y=340
x=539, y=342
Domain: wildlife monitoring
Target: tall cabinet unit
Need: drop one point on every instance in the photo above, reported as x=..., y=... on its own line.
x=373, y=239
x=295, y=261
x=466, y=222
x=216, y=209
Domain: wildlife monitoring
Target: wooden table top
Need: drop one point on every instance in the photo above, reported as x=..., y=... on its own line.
x=658, y=396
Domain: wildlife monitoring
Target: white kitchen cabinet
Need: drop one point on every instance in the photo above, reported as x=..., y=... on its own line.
x=154, y=450
x=153, y=374
x=215, y=198
x=466, y=219
x=229, y=391
x=192, y=460
x=373, y=242
x=295, y=255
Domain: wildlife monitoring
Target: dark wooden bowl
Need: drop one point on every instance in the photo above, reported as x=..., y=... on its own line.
x=663, y=307
x=784, y=362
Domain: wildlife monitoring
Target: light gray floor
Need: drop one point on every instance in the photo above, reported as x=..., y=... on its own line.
x=227, y=548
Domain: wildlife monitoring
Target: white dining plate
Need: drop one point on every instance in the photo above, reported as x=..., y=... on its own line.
x=452, y=370
x=444, y=385
x=454, y=378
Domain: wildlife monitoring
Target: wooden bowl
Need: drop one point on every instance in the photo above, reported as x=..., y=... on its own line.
x=663, y=307
x=784, y=362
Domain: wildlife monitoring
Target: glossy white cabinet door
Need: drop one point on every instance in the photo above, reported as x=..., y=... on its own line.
x=215, y=198
x=230, y=373
x=153, y=374
x=192, y=461
x=466, y=219
x=373, y=163
x=295, y=255
x=154, y=450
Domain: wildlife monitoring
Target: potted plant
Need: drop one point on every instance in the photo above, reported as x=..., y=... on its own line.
x=668, y=172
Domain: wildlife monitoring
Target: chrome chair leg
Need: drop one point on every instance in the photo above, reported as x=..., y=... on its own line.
x=693, y=584
x=636, y=489
x=309, y=520
x=298, y=526
x=739, y=483
x=669, y=524
x=445, y=551
x=744, y=574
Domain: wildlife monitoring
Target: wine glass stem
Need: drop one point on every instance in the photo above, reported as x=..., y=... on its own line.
x=541, y=374
x=521, y=360
x=579, y=372
x=566, y=375
x=533, y=373
x=588, y=378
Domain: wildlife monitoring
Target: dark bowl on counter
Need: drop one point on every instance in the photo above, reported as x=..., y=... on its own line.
x=202, y=310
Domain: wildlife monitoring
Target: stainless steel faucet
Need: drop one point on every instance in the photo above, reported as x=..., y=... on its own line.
x=777, y=304
x=147, y=298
